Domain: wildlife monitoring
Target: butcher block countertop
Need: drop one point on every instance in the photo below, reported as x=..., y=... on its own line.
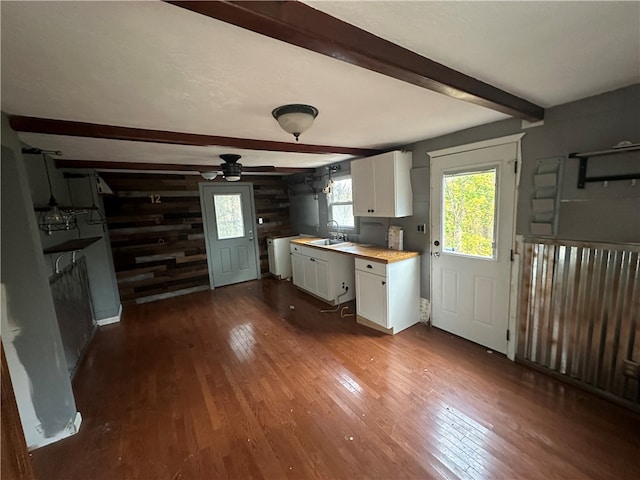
x=368, y=252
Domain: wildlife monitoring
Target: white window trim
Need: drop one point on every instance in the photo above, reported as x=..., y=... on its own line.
x=343, y=228
x=493, y=142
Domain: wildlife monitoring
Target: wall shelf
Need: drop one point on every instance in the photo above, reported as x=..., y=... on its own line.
x=44, y=208
x=71, y=245
x=584, y=157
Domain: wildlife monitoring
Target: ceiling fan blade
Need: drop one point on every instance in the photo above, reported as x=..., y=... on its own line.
x=101, y=165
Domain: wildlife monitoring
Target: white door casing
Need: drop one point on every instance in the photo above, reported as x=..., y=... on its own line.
x=471, y=294
x=232, y=256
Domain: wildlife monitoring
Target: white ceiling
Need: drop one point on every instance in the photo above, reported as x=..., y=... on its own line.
x=153, y=65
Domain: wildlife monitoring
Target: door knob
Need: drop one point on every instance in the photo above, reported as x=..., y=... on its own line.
x=435, y=254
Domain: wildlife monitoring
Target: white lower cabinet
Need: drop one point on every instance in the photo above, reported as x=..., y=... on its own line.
x=371, y=294
x=327, y=275
x=322, y=278
x=297, y=268
x=388, y=294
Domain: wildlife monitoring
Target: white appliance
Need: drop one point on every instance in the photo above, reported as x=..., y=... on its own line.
x=280, y=256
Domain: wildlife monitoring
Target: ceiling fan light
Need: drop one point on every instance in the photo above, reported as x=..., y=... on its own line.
x=230, y=168
x=209, y=175
x=295, y=118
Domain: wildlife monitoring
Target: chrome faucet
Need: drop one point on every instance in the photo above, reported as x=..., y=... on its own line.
x=338, y=235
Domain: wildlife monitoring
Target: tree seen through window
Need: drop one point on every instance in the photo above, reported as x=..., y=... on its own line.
x=340, y=202
x=469, y=213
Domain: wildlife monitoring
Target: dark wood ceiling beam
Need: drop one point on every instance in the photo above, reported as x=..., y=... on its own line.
x=93, y=130
x=171, y=167
x=306, y=27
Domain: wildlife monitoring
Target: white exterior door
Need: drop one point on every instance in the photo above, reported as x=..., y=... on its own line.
x=473, y=198
x=229, y=233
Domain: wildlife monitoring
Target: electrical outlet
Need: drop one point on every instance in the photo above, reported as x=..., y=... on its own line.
x=422, y=228
x=632, y=369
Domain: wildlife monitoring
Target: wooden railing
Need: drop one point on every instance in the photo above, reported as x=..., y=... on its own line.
x=579, y=313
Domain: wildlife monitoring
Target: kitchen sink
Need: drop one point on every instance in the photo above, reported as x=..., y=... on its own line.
x=327, y=241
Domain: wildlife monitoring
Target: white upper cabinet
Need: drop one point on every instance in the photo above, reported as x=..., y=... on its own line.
x=382, y=185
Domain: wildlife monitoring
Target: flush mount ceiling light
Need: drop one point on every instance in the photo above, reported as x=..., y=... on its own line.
x=230, y=168
x=295, y=118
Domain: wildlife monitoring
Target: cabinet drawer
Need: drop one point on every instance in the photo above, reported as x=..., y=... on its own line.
x=302, y=250
x=376, y=268
x=317, y=253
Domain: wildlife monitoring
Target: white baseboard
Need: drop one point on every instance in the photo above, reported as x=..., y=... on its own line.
x=108, y=321
x=77, y=422
x=72, y=428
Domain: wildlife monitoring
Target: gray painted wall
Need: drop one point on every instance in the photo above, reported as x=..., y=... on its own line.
x=596, y=213
x=30, y=332
x=102, y=278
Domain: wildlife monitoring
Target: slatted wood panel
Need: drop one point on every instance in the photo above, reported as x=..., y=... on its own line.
x=580, y=312
x=157, y=237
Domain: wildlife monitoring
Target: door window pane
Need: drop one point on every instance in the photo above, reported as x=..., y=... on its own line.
x=468, y=215
x=229, y=220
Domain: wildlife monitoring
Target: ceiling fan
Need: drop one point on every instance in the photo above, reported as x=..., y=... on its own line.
x=231, y=169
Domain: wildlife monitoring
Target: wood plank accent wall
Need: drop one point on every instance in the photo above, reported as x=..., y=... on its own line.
x=159, y=247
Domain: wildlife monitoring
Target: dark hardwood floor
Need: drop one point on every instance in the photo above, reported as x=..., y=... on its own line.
x=235, y=383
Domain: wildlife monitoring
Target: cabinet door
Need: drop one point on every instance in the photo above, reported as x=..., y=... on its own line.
x=310, y=279
x=322, y=276
x=297, y=267
x=384, y=186
x=363, y=189
x=371, y=297
x=272, y=260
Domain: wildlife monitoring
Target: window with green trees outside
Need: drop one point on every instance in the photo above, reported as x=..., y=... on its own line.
x=469, y=213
